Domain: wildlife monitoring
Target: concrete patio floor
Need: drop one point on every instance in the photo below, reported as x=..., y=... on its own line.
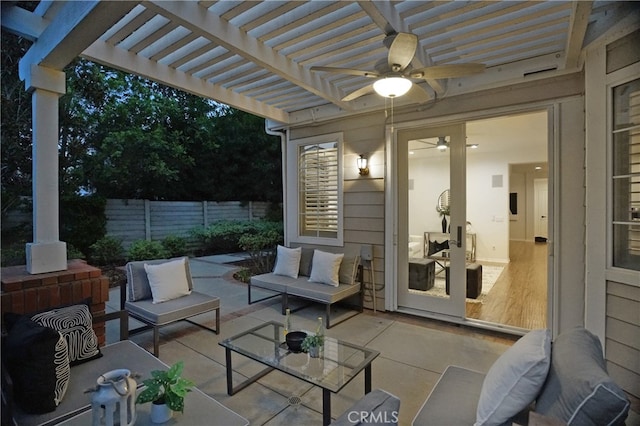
x=414, y=352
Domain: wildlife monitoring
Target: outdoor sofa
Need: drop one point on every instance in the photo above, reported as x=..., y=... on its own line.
x=83, y=375
x=534, y=381
x=313, y=275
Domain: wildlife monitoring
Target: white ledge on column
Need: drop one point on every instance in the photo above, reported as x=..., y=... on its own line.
x=46, y=257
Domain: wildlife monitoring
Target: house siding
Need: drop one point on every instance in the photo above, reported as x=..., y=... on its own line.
x=363, y=196
x=623, y=335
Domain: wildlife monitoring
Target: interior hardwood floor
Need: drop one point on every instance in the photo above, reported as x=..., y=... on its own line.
x=519, y=296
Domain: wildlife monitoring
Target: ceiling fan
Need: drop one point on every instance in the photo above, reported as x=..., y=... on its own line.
x=393, y=74
x=442, y=144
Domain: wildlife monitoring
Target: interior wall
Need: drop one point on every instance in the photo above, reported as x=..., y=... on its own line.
x=488, y=182
x=518, y=222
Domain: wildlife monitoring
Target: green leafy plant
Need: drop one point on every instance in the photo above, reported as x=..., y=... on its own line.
x=107, y=250
x=166, y=387
x=312, y=341
x=175, y=246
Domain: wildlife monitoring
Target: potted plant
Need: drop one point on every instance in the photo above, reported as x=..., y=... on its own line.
x=165, y=388
x=313, y=342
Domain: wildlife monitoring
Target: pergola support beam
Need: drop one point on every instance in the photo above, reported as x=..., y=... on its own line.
x=46, y=253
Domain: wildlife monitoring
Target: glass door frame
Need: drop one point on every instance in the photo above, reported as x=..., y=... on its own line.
x=452, y=307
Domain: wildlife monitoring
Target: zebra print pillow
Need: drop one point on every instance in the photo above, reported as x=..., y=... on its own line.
x=74, y=323
x=38, y=362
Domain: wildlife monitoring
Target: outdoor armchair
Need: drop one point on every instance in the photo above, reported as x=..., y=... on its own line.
x=160, y=292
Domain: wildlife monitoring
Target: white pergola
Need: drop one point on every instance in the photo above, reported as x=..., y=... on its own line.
x=257, y=55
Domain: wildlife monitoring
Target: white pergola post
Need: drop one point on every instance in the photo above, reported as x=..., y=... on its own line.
x=46, y=253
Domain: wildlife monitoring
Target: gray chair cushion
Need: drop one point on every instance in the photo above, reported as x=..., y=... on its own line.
x=172, y=310
x=453, y=400
x=578, y=389
x=382, y=407
x=137, y=282
x=124, y=354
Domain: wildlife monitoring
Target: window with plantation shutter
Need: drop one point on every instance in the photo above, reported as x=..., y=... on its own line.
x=318, y=183
x=319, y=189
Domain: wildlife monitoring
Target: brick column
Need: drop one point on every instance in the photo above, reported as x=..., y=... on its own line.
x=25, y=293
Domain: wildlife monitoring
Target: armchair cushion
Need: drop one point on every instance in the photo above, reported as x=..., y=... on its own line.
x=137, y=282
x=168, y=280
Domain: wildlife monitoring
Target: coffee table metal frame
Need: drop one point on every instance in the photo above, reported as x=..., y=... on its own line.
x=265, y=344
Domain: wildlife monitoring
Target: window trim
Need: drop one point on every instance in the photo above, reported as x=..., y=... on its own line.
x=616, y=273
x=293, y=180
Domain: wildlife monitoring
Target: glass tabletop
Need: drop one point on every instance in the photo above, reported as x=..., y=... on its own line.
x=338, y=364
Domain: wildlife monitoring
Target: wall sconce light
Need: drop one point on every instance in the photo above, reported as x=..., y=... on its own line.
x=362, y=165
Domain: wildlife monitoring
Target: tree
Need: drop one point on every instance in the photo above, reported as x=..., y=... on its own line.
x=122, y=136
x=15, y=127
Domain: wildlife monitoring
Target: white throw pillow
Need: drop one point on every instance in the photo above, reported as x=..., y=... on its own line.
x=168, y=280
x=515, y=379
x=288, y=261
x=325, y=268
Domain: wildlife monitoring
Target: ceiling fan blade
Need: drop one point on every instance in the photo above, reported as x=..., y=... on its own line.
x=348, y=71
x=447, y=71
x=418, y=93
x=360, y=92
x=402, y=50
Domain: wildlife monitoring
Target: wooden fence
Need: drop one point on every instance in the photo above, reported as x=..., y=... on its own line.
x=131, y=220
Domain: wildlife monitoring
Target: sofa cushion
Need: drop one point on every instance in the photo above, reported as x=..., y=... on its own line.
x=453, y=400
x=515, y=379
x=348, y=273
x=326, y=268
x=168, y=280
x=578, y=390
x=116, y=355
x=288, y=261
x=76, y=326
x=306, y=259
x=38, y=361
x=137, y=282
x=378, y=407
x=321, y=293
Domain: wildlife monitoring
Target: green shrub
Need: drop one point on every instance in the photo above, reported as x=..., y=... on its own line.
x=74, y=253
x=175, y=246
x=147, y=250
x=107, y=250
x=14, y=255
x=261, y=247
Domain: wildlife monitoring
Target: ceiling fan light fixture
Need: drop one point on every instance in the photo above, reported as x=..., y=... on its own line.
x=392, y=87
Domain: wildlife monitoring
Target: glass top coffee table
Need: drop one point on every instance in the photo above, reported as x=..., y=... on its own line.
x=338, y=364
